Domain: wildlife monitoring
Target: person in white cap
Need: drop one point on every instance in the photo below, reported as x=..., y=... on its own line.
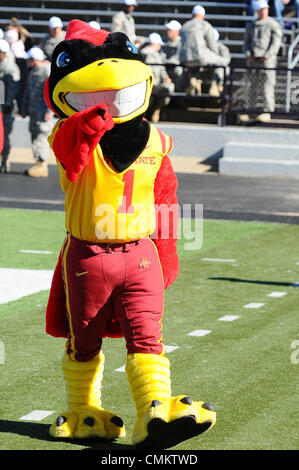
x=94, y=24
x=199, y=48
x=263, y=38
x=171, y=51
x=54, y=37
x=40, y=116
x=216, y=87
x=162, y=82
x=10, y=81
x=123, y=21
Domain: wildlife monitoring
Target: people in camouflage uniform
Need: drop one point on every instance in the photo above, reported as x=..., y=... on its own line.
x=199, y=48
x=216, y=87
x=162, y=82
x=9, y=88
x=123, y=21
x=263, y=39
x=171, y=52
x=40, y=116
x=54, y=37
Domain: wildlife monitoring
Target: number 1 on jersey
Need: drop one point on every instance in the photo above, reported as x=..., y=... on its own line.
x=126, y=205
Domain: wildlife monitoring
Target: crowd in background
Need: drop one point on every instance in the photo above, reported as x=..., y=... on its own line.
x=176, y=61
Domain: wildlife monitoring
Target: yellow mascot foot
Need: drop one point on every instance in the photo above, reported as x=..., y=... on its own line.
x=85, y=417
x=186, y=419
x=88, y=422
x=162, y=421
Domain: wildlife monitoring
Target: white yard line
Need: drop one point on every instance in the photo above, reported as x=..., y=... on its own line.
x=169, y=349
x=218, y=260
x=254, y=305
x=32, y=200
x=199, y=332
x=37, y=252
x=229, y=318
x=36, y=415
x=18, y=283
x=277, y=294
x=121, y=369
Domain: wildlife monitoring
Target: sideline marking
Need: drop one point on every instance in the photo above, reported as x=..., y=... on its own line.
x=38, y=252
x=254, y=305
x=199, y=332
x=219, y=260
x=36, y=415
x=229, y=318
x=277, y=294
x=18, y=283
x=169, y=349
x=32, y=200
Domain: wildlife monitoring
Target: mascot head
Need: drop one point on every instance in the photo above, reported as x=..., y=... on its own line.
x=94, y=66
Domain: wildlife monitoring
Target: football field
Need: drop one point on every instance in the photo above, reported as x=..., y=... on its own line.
x=230, y=329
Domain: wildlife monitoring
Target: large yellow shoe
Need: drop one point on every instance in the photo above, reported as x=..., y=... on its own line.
x=85, y=418
x=163, y=421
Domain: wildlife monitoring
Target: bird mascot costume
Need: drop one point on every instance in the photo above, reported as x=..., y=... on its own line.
x=115, y=263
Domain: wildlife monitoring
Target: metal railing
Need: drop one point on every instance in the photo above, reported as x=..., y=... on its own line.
x=247, y=90
x=174, y=3
x=206, y=76
x=244, y=92
x=291, y=62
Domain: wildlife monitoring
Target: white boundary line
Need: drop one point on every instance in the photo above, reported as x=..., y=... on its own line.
x=36, y=415
x=254, y=305
x=32, y=201
x=219, y=260
x=277, y=294
x=199, y=332
x=37, y=252
x=229, y=318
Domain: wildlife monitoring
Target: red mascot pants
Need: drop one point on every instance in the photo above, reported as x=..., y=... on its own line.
x=101, y=279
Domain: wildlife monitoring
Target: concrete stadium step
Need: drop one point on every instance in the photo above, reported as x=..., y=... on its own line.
x=260, y=159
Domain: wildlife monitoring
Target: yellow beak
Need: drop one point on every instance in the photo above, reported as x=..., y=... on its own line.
x=123, y=85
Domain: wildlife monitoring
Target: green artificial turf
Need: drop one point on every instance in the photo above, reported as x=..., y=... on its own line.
x=242, y=367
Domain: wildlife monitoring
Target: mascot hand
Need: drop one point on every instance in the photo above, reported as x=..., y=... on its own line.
x=95, y=120
x=78, y=136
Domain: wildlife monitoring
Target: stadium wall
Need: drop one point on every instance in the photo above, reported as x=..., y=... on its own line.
x=238, y=151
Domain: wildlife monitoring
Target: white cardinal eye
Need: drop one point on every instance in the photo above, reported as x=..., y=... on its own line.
x=63, y=59
x=131, y=47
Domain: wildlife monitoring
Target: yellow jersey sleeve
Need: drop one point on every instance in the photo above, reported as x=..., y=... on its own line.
x=54, y=130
